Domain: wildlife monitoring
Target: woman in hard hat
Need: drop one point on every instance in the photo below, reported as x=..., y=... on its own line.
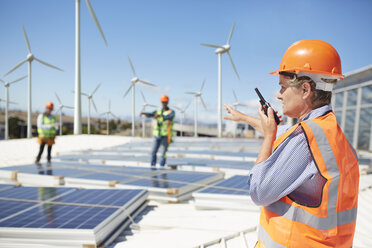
x=47, y=130
x=163, y=129
x=306, y=176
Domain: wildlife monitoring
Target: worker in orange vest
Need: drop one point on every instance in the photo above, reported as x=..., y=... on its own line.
x=306, y=176
x=163, y=130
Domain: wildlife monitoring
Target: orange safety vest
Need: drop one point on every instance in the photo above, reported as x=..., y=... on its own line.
x=286, y=223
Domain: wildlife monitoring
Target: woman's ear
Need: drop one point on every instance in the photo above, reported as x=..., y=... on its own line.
x=306, y=90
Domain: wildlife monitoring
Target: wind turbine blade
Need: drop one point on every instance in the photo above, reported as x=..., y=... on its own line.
x=12, y=102
x=126, y=93
x=186, y=107
x=233, y=65
x=84, y=94
x=191, y=93
x=131, y=66
x=94, y=91
x=202, y=101
x=26, y=39
x=231, y=33
x=178, y=108
x=69, y=107
x=210, y=45
x=146, y=82
x=113, y=115
x=19, y=79
x=143, y=97
x=2, y=81
x=236, y=99
x=94, y=106
x=45, y=63
x=59, y=100
x=59, y=109
x=15, y=67
x=202, y=86
x=95, y=20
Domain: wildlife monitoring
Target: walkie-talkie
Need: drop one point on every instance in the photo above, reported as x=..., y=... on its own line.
x=265, y=106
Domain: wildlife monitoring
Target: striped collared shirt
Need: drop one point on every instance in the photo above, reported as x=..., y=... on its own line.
x=290, y=169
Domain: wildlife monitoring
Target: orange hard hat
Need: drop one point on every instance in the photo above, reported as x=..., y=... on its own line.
x=164, y=98
x=49, y=105
x=311, y=56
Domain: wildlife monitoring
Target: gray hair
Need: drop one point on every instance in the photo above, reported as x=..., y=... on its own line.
x=320, y=97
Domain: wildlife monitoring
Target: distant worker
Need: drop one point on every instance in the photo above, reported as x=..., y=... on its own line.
x=163, y=130
x=306, y=176
x=46, y=128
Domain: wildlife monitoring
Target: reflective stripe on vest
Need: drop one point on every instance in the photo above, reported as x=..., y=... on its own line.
x=286, y=223
x=162, y=127
x=47, y=133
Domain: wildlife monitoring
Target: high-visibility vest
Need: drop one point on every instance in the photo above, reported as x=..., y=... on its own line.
x=287, y=223
x=163, y=127
x=48, y=133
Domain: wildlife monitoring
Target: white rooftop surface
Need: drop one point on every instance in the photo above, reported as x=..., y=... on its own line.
x=178, y=225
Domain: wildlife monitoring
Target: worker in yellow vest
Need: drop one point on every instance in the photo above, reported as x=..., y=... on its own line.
x=47, y=130
x=306, y=176
x=163, y=130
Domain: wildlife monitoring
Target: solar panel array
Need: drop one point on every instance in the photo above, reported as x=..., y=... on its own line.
x=26, y=210
x=163, y=184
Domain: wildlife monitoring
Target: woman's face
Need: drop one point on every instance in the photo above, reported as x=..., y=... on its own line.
x=291, y=97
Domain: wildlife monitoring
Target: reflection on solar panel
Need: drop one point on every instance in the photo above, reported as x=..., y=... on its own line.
x=232, y=193
x=66, y=216
x=167, y=185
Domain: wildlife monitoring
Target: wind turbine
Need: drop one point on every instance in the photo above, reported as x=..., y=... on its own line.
x=144, y=105
x=77, y=113
x=108, y=113
x=236, y=104
x=182, y=110
x=30, y=57
x=219, y=51
x=197, y=95
x=7, y=102
x=134, y=80
x=6, y=85
x=90, y=98
x=60, y=108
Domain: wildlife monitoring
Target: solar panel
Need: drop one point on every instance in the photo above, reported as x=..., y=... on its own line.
x=97, y=212
x=236, y=185
x=232, y=193
x=8, y=208
x=32, y=193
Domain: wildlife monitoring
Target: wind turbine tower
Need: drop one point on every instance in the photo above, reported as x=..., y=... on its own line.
x=108, y=113
x=60, y=108
x=197, y=95
x=219, y=51
x=134, y=81
x=90, y=98
x=182, y=110
x=6, y=85
x=145, y=104
x=77, y=113
x=30, y=57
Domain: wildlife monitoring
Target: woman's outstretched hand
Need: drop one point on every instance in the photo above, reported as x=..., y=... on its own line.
x=235, y=115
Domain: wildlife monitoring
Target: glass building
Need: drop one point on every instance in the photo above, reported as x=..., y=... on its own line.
x=352, y=105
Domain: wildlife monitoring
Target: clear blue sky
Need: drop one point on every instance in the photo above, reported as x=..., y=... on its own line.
x=163, y=40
